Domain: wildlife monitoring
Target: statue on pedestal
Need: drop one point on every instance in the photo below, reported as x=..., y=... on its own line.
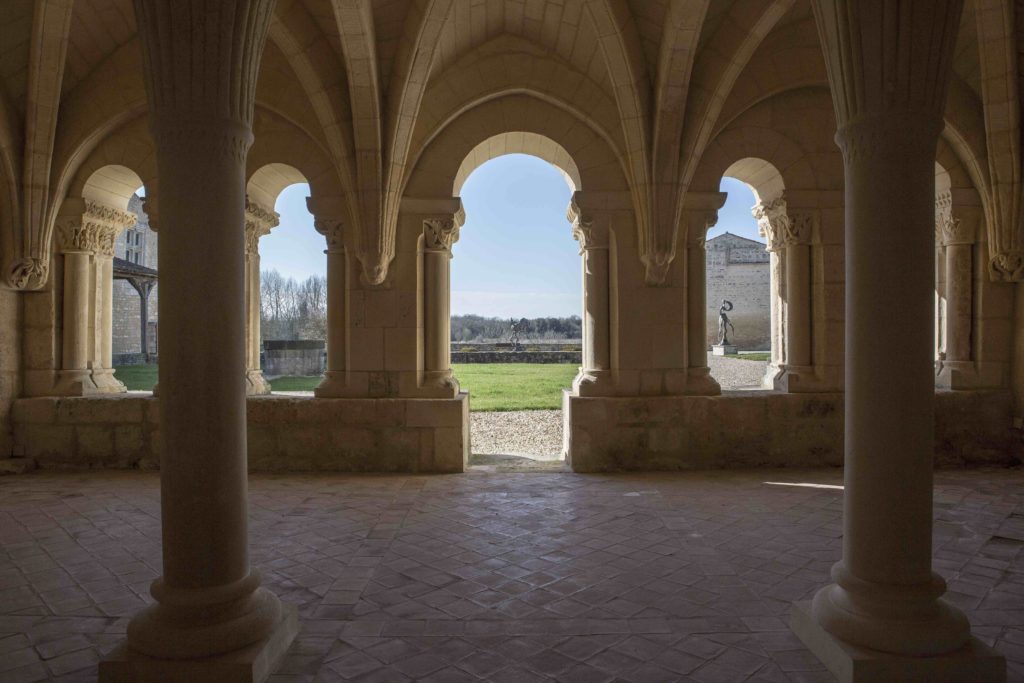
x=724, y=323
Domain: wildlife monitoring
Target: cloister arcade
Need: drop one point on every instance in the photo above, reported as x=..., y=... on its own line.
x=881, y=140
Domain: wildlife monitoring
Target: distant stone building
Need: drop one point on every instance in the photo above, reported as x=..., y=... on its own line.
x=135, y=261
x=738, y=270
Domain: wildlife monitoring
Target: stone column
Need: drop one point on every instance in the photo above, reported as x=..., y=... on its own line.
x=211, y=617
x=439, y=234
x=883, y=617
x=957, y=230
x=700, y=213
x=771, y=215
x=591, y=231
x=335, y=382
x=111, y=222
x=259, y=221
x=77, y=240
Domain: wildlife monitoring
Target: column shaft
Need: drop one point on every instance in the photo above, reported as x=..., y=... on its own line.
x=597, y=315
x=698, y=375
x=959, y=286
x=436, y=320
x=335, y=382
x=886, y=595
x=798, y=304
x=75, y=376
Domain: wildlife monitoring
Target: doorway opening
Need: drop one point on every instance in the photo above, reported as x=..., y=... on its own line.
x=516, y=299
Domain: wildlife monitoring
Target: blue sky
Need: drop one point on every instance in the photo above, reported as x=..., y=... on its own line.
x=515, y=256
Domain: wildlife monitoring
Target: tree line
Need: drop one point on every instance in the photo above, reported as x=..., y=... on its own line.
x=292, y=309
x=476, y=328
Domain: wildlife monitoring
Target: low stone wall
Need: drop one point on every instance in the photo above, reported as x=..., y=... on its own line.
x=120, y=359
x=567, y=357
x=765, y=429
x=286, y=433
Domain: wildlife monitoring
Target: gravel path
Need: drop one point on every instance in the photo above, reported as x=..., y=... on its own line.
x=734, y=374
x=536, y=433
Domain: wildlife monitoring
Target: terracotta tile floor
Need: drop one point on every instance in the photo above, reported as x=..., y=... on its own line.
x=499, y=577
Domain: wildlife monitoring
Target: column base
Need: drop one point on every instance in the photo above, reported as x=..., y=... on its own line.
x=967, y=375
x=106, y=383
x=974, y=662
x=75, y=383
x=699, y=382
x=593, y=383
x=794, y=379
x=256, y=384
x=251, y=664
x=333, y=385
x=438, y=384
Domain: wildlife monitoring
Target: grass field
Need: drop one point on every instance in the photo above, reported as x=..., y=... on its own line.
x=492, y=386
x=514, y=386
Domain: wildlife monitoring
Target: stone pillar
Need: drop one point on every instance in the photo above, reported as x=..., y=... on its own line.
x=111, y=223
x=77, y=240
x=883, y=618
x=957, y=231
x=789, y=234
x=259, y=221
x=591, y=230
x=335, y=382
x=211, y=617
x=439, y=234
x=700, y=213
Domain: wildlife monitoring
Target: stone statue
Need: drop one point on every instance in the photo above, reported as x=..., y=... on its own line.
x=517, y=327
x=724, y=323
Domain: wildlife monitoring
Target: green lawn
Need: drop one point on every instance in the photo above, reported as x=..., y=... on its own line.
x=514, y=386
x=753, y=356
x=492, y=386
x=137, y=377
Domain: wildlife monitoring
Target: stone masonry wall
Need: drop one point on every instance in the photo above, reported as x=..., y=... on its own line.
x=286, y=434
x=563, y=357
x=738, y=269
x=766, y=429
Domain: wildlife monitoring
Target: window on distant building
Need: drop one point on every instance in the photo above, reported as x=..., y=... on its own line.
x=133, y=246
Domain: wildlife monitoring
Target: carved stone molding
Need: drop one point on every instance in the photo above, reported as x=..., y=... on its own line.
x=700, y=214
x=28, y=273
x=950, y=229
x=259, y=221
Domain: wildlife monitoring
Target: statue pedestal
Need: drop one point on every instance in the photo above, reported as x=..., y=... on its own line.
x=723, y=350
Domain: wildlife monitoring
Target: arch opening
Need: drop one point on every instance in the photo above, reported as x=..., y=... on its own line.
x=515, y=263
x=745, y=279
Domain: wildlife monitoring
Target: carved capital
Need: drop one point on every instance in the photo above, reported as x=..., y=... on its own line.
x=439, y=234
x=94, y=230
x=259, y=221
x=772, y=222
x=589, y=233
x=333, y=231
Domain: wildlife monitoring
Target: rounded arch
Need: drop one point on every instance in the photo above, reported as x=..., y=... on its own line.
x=267, y=182
x=435, y=171
x=282, y=155
x=112, y=185
x=761, y=176
x=519, y=142
x=117, y=166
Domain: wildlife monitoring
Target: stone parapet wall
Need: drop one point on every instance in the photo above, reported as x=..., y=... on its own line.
x=518, y=357
x=765, y=429
x=286, y=434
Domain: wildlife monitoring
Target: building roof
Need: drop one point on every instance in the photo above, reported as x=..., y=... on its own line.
x=126, y=269
x=736, y=238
